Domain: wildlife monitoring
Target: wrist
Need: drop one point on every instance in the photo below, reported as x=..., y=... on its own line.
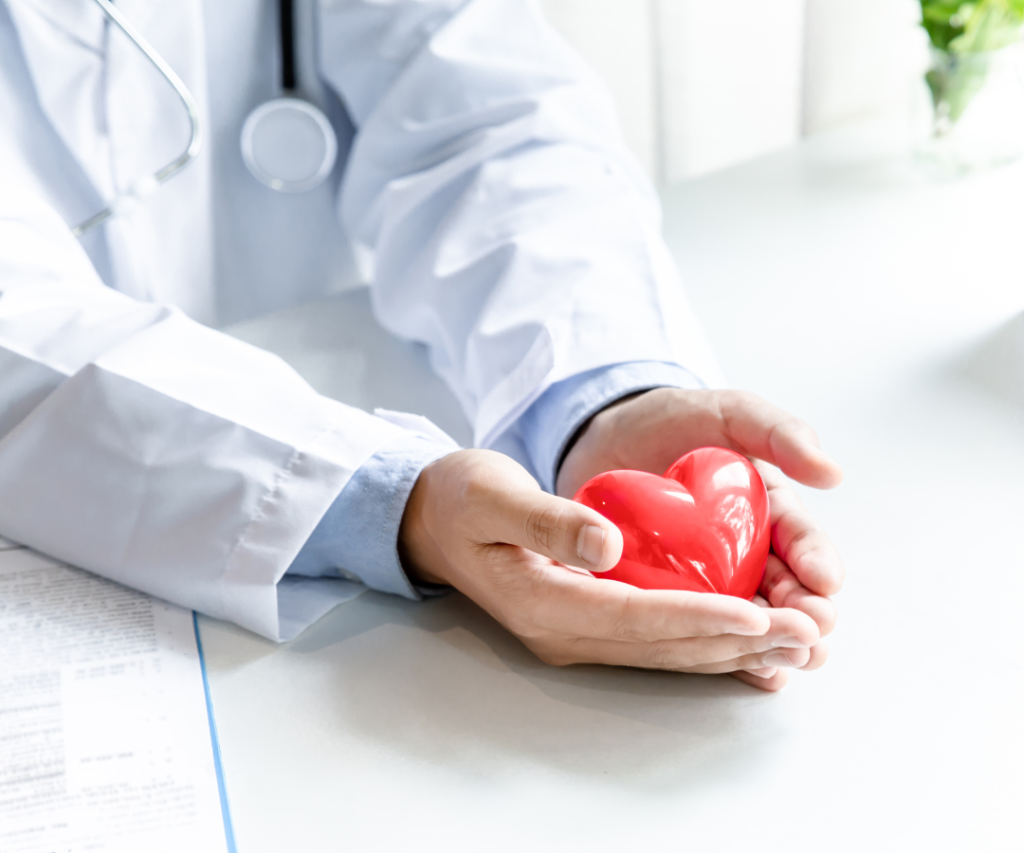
x=418, y=550
x=593, y=439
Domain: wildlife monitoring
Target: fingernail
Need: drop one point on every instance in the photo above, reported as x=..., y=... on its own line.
x=590, y=545
x=767, y=672
x=788, y=643
x=777, y=659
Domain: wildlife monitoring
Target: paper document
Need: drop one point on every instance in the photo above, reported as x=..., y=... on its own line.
x=106, y=740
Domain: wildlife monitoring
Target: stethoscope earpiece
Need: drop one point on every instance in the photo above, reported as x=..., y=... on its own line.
x=288, y=144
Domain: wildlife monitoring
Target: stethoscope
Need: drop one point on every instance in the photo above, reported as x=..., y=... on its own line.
x=287, y=143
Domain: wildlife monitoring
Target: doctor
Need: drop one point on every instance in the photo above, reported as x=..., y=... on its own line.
x=481, y=186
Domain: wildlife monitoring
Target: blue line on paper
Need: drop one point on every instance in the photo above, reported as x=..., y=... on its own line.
x=229, y=831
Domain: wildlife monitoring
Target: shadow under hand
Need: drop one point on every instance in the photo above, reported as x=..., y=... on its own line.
x=442, y=682
x=995, y=363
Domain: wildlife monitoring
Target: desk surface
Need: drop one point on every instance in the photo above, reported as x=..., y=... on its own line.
x=886, y=310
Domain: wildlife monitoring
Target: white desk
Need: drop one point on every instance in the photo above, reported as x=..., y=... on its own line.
x=839, y=284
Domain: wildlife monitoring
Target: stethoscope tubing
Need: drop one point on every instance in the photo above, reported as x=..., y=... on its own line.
x=145, y=186
x=286, y=25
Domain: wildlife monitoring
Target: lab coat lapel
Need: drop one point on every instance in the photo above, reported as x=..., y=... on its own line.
x=63, y=43
x=114, y=111
x=121, y=120
x=81, y=21
x=166, y=244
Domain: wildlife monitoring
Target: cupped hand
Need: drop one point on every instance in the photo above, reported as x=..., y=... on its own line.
x=649, y=431
x=476, y=520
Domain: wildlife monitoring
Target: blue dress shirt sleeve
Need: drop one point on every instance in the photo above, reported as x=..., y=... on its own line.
x=357, y=538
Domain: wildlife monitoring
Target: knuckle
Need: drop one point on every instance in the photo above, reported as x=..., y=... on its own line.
x=544, y=527
x=808, y=536
x=772, y=583
x=621, y=631
x=821, y=610
x=798, y=426
x=661, y=655
x=619, y=626
x=740, y=648
x=474, y=492
x=812, y=547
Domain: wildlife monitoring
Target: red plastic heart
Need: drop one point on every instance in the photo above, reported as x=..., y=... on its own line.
x=704, y=526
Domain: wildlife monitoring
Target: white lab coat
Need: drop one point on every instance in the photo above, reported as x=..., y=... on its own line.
x=483, y=189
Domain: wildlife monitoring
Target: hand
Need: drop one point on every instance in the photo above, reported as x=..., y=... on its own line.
x=476, y=520
x=651, y=430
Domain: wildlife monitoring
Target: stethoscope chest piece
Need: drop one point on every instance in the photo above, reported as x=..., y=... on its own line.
x=289, y=145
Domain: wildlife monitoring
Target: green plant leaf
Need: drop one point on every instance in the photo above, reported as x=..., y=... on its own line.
x=974, y=27
x=939, y=18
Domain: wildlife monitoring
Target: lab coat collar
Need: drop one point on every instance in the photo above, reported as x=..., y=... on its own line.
x=82, y=20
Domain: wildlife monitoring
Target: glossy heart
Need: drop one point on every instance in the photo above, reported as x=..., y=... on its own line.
x=704, y=526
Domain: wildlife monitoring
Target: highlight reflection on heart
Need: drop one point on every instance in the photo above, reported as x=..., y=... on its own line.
x=704, y=526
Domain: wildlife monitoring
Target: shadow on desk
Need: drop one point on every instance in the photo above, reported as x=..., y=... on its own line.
x=994, y=363
x=441, y=682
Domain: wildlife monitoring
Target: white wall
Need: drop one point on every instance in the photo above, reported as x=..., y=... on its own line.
x=703, y=84
x=730, y=81
x=862, y=57
x=617, y=38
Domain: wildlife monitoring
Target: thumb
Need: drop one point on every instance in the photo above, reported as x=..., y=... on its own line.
x=561, y=529
x=758, y=428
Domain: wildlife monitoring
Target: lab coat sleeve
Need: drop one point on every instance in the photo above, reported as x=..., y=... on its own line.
x=153, y=450
x=494, y=206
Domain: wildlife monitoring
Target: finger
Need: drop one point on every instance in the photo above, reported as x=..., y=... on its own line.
x=818, y=656
x=757, y=427
x=581, y=606
x=788, y=644
x=798, y=539
x=771, y=684
x=670, y=655
x=777, y=659
x=790, y=628
x=764, y=672
x=560, y=529
x=782, y=589
x=780, y=658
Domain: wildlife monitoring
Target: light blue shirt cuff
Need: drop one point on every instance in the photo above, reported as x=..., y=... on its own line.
x=548, y=425
x=357, y=539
